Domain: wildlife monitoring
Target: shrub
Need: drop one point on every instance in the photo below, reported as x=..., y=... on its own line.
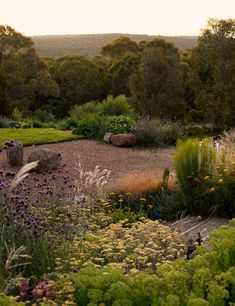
x=118, y=124
x=116, y=106
x=6, y=122
x=206, y=176
x=208, y=279
x=157, y=132
x=67, y=124
x=94, y=126
x=79, y=112
x=90, y=127
x=43, y=116
x=146, y=243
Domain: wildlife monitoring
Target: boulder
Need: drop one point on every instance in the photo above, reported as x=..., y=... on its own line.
x=15, y=153
x=124, y=140
x=107, y=137
x=48, y=160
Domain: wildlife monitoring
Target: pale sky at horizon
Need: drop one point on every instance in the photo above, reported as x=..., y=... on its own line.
x=152, y=17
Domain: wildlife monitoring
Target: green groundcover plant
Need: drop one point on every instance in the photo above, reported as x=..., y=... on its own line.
x=208, y=279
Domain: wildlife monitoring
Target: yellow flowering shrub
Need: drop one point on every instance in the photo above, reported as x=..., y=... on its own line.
x=143, y=244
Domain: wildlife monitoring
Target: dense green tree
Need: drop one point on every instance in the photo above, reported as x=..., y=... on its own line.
x=80, y=79
x=43, y=88
x=119, y=73
x=12, y=41
x=156, y=85
x=214, y=68
x=30, y=85
x=120, y=47
x=4, y=99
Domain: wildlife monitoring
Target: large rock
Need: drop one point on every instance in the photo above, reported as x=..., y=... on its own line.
x=48, y=160
x=124, y=140
x=15, y=153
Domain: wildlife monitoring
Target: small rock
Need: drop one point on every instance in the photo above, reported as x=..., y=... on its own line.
x=107, y=137
x=48, y=160
x=124, y=140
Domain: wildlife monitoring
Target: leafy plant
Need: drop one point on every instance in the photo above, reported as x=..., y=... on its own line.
x=118, y=124
x=206, y=177
x=157, y=132
x=116, y=106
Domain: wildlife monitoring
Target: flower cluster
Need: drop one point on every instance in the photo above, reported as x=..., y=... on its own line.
x=143, y=244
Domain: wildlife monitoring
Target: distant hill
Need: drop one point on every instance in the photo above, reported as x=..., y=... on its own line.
x=91, y=44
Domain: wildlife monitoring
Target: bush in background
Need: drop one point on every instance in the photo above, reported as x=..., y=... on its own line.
x=116, y=106
x=91, y=127
x=94, y=126
x=79, y=112
x=118, y=124
x=157, y=132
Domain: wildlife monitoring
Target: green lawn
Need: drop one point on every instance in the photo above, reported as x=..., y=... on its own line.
x=35, y=136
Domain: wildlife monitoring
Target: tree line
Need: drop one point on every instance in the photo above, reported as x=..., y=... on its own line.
x=159, y=80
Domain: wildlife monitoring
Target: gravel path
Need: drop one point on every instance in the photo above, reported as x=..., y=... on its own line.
x=119, y=160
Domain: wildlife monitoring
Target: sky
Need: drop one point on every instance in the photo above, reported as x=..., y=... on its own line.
x=152, y=17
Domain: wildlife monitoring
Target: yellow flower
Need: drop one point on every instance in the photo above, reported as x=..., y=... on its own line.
x=112, y=193
x=220, y=181
x=143, y=199
x=206, y=178
x=120, y=200
x=233, y=163
x=128, y=193
x=150, y=206
x=212, y=189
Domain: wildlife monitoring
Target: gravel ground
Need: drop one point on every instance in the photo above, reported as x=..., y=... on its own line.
x=119, y=160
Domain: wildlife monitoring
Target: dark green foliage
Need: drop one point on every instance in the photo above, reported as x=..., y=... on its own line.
x=119, y=73
x=80, y=80
x=151, y=94
x=166, y=205
x=81, y=111
x=90, y=127
x=120, y=47
x=95, y=126
x=4, y=99
x=214, y=72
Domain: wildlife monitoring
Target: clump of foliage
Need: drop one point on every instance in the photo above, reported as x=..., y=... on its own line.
x=157, y=132
x=79, y=112
x=144, y=243
x=206, y=176
x=208, y=279
x=94, y=126
x=90, y=127
x=116, y=106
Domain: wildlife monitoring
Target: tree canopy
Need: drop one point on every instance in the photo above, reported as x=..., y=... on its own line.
x=156, y=85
